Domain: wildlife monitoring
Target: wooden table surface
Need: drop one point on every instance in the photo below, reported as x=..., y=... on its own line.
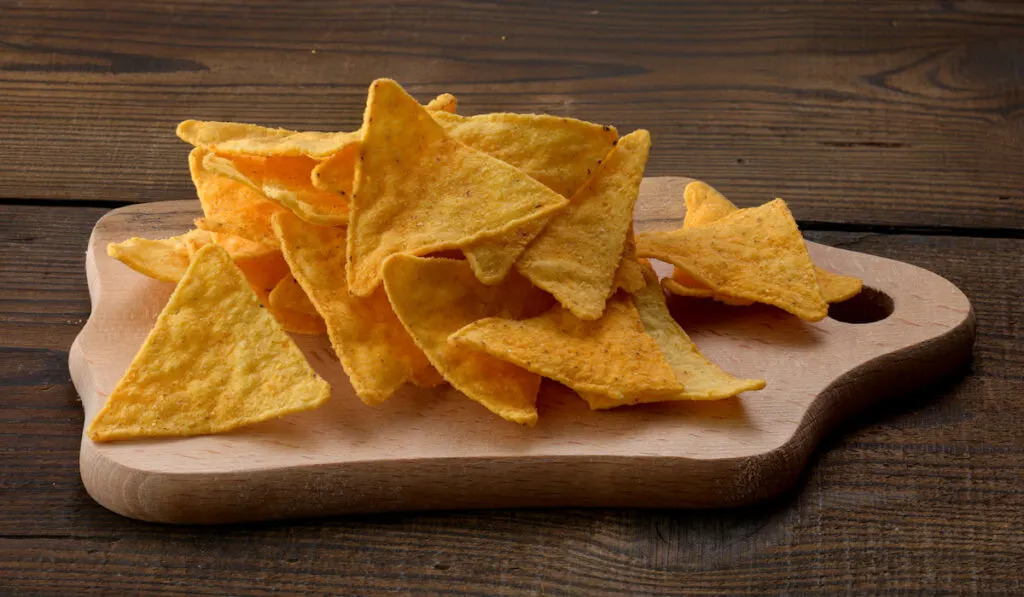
x=892, y=128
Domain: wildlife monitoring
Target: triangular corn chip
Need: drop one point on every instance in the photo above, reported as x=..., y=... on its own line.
x=418, y=191
x=290, y=305
x=576, y=256
x=375, y=350
x=701, y=379
x=705, y=205
x=285, y=180
x=435, y=297
x=756, y=254
x=233, y=206
x=336, y=174
x=612, y=356
x=214, y=361
x=492, y=258
x=250, y=139
x=445, y=102
x=836, y=288
x=165, y=259
x=630, y=275
x=560, y=152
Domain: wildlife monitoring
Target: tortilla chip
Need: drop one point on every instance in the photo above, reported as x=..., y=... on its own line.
x=836, y=288
x=165, y=259
x=435, y=297
x=285, y=180
x=443, y=103
x=756, y=254
x=290, y=305
x=630, y=275
x=214, y=361
x=705, y=205
x=701, y=379
x=492, y=258
x=289, y=295
x=337, y=173
x=418, y=191
x=374, y=349
x=560, y=152
x=682, y=284
x=231, y=206
x=577, y=255
x=236, y=138
x=612, y=356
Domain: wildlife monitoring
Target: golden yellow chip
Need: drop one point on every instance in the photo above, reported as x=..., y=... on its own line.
x=290, y=305
x=164, y=259
x=492, y=258
x=577, y=255
x=560, y=152
x=232, y=206
x=375, y=350
x=682, y=284
x=435, y=297
x=418, y=191
x=705, y=205
x=630, y=275
x=214, y=361
x=286, y=180
x=445, y=102
x=611, y=356
x=701, y=379
x=836, y=288
x=756, y=254
x=289, y=295
x=336, y=174
x=250, y=139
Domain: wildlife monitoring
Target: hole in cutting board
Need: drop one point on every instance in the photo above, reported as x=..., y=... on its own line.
x=869, y=306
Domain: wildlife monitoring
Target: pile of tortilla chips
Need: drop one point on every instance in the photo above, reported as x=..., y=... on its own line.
x=487, y=252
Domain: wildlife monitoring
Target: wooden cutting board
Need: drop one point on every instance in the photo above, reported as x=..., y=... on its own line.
x=435, y=449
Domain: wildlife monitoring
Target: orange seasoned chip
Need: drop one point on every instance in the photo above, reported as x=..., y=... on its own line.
x=418, y=191
x=236, y=138
x=445, y=102
x=375, y=350
x=701, y=379
x=336, y=174
x=163, y=259
x=232, y=206
x=286, y=180
x=612, y=356
x=756, y=254
x=577, y=255
x=214, y=361
x=289, y=304
x=435, y=297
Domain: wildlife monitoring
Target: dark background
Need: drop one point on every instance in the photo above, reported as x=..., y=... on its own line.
x=892, y=128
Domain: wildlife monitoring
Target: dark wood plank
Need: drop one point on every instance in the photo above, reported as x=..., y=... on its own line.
x=921, y=496
x=895, y=113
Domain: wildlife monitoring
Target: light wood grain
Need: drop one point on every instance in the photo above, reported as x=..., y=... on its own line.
x=429, y=450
